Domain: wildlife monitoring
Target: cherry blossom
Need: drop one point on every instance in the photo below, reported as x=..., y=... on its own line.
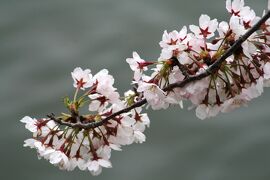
x=206, y=29
x=266, y=70
x=30, y=124
x=82, y=78
x=235, y=7
x=137, y=65
x=154, y=95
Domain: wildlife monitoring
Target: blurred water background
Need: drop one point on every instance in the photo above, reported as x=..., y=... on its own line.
x=42, y=41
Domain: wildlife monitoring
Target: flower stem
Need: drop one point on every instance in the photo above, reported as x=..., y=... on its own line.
x=75, y=95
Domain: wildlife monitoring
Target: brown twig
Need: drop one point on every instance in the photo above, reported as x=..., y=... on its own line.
x=181, y=67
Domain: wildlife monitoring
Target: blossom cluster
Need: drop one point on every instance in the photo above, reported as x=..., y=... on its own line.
x=239, y=79
x=88, y=149
x=68, y=142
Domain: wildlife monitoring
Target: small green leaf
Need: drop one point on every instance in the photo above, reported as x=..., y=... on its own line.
x=67, y=102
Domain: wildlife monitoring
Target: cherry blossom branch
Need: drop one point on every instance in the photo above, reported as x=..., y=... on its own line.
x=189, y=79
x=215, y=66
x=218, y=66
x=97, y=123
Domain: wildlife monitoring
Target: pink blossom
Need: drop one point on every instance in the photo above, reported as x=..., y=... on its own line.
x=137, y=65
x=82, y=78
x=153, y=94
x=206, y=27
x=235, y=7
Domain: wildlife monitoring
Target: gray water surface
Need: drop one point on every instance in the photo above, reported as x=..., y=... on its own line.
x=42, y=41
